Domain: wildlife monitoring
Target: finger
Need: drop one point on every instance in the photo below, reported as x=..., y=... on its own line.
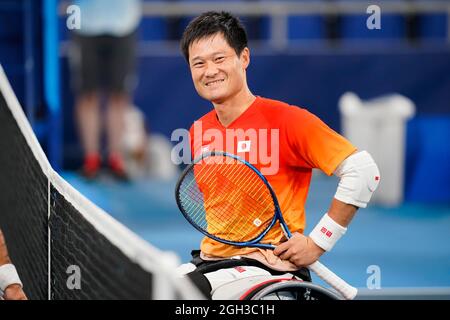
x=287, y=255
x=281, y=248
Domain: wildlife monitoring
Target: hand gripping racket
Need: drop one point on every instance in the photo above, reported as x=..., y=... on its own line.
x=229, y=200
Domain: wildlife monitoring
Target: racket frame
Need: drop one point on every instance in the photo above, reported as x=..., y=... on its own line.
x=252, y=242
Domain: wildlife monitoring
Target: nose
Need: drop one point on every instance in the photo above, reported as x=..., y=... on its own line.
x=211, y=69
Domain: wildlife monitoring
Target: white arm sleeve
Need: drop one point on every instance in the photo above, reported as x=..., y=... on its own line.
x=359, y=178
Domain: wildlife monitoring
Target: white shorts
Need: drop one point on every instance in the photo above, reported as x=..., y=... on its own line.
x=230, y=283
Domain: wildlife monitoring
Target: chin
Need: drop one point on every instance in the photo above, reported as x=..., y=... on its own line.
x=217, y=98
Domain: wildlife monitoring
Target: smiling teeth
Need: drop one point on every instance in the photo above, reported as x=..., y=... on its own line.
x=213, y=82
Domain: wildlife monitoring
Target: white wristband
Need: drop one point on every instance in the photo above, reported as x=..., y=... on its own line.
x=327, y=232
x=8, y=276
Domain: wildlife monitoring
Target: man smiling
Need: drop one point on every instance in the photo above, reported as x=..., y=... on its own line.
x=215, y=47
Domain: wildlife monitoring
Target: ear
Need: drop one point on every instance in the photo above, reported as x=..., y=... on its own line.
x=245, y=57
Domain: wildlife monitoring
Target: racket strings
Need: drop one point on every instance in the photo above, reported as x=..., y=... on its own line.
x=227, y=189
x=233, y=202
x=239, y=178
x=227, y=199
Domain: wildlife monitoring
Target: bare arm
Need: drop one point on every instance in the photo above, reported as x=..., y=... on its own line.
x=341, y=212
x=4, y=258
x=359, y=179
x=302, y=250
x=13, y=291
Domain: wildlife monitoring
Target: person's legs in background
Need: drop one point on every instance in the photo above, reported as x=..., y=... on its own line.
x=119, y=82
x=102, y=65
x=89, y=126
x=117, y=103
x=85, y=66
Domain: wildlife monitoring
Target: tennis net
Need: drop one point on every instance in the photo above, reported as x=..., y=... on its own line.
x=63, y=246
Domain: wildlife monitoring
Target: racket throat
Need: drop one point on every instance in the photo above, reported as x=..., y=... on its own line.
x=286, y=231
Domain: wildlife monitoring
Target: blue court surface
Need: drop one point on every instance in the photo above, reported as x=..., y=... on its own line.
x=409, y=244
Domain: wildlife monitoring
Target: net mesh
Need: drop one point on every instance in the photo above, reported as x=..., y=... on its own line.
x=23, y=206
x=59, y=241
x=106, y=272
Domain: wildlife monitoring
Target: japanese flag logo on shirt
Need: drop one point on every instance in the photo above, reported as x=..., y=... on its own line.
x=243, y=146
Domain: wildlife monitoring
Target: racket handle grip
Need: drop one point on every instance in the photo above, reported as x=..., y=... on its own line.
x=346, y=290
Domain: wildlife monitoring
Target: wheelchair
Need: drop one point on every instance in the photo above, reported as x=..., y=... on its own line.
x=273, y=288
x=292, y=290
x=277, y=286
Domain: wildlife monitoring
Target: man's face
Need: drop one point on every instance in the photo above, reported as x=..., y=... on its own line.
x=218, y=73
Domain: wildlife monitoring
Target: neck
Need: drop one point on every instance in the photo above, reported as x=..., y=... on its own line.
x=231, y=109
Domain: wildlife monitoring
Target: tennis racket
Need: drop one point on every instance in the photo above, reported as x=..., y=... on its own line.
x=229, y=200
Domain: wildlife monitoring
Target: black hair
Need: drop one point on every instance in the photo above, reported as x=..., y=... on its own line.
x=210, y=23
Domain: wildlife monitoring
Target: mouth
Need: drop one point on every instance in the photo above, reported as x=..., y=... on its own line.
x=214, y=82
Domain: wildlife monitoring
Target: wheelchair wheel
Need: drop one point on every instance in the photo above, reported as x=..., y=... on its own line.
x=290, y=290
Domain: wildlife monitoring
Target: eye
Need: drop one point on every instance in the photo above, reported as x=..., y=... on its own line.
x=220, y=59
x=198, y=64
